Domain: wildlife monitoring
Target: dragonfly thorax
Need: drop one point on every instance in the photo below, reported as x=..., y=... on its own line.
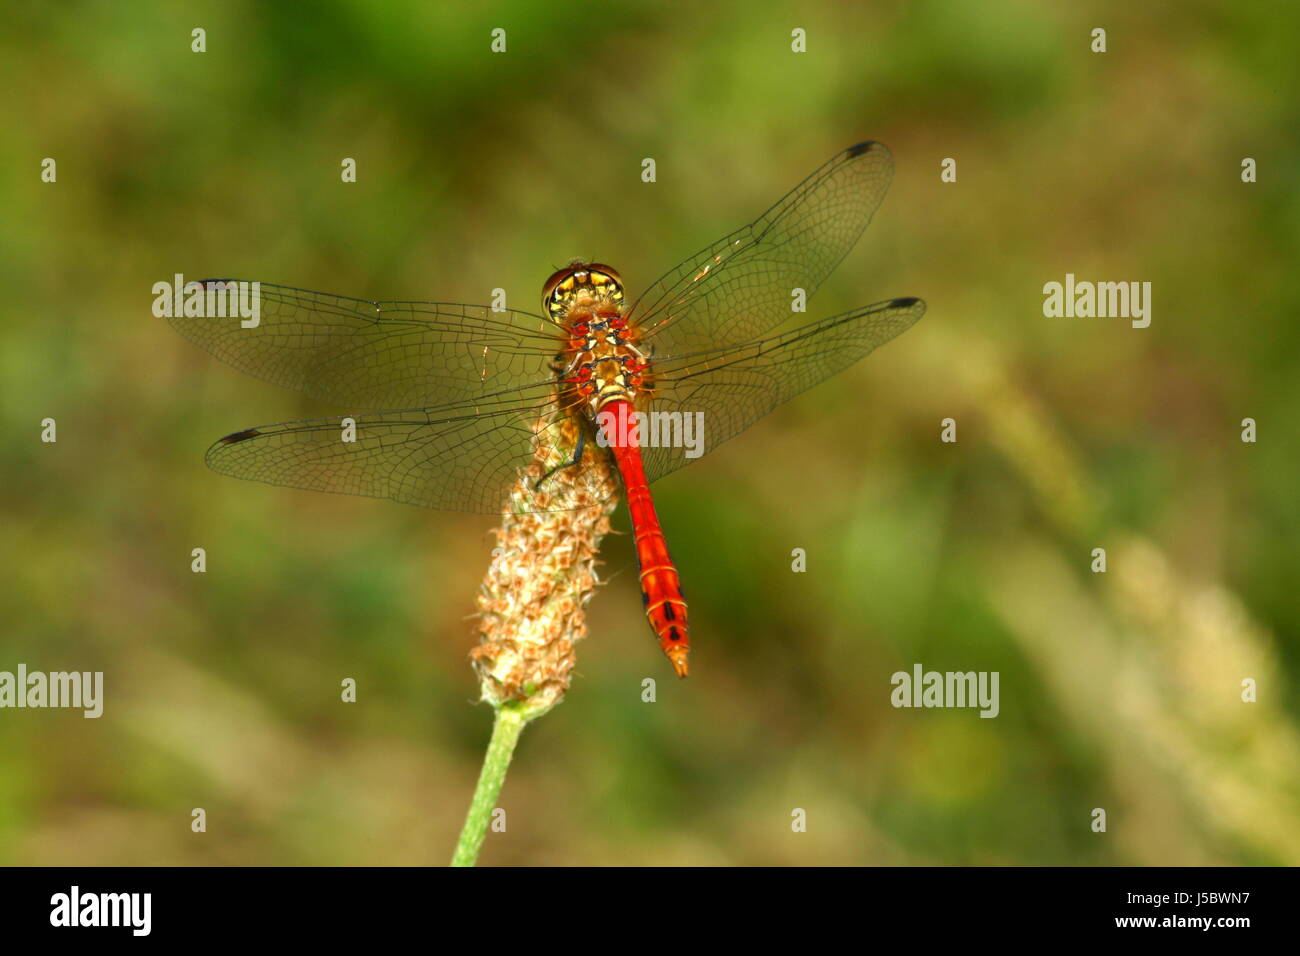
x=602, y=363
x=604, y=366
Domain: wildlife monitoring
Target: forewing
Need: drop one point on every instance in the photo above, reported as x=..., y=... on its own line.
x=364, y=354
x=741, y=287
x=732, y=388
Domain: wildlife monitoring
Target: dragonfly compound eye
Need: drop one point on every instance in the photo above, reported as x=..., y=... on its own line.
x=579, y=280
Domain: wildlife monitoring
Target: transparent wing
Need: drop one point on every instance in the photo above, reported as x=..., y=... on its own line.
x=453, y=458
x=732, y=388
x=741, y=287
x=363, y=354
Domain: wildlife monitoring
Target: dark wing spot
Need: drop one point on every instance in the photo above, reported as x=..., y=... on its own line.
x=905, y=303
x=857, y=149
x=246, y=434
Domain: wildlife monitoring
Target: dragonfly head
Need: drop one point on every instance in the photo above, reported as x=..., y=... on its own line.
x=580, y=280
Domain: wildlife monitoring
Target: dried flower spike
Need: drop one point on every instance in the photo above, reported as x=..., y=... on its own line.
x=533, y=599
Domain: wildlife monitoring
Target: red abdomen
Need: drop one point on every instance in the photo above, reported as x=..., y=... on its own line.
x=661, y=588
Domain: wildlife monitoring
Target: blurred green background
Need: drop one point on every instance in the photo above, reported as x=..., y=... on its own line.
x=1118, y=690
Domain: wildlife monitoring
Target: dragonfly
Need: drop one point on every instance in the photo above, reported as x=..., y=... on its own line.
x=447, y=397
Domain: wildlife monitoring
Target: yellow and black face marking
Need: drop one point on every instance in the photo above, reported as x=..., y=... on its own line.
x=569, y=286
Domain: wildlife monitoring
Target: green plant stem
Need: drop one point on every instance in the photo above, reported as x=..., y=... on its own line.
x=506, y=728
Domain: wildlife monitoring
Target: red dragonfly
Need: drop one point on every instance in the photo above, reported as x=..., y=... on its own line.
x=454, y=392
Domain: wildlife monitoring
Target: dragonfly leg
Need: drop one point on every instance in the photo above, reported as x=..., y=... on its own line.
x=577, y=457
